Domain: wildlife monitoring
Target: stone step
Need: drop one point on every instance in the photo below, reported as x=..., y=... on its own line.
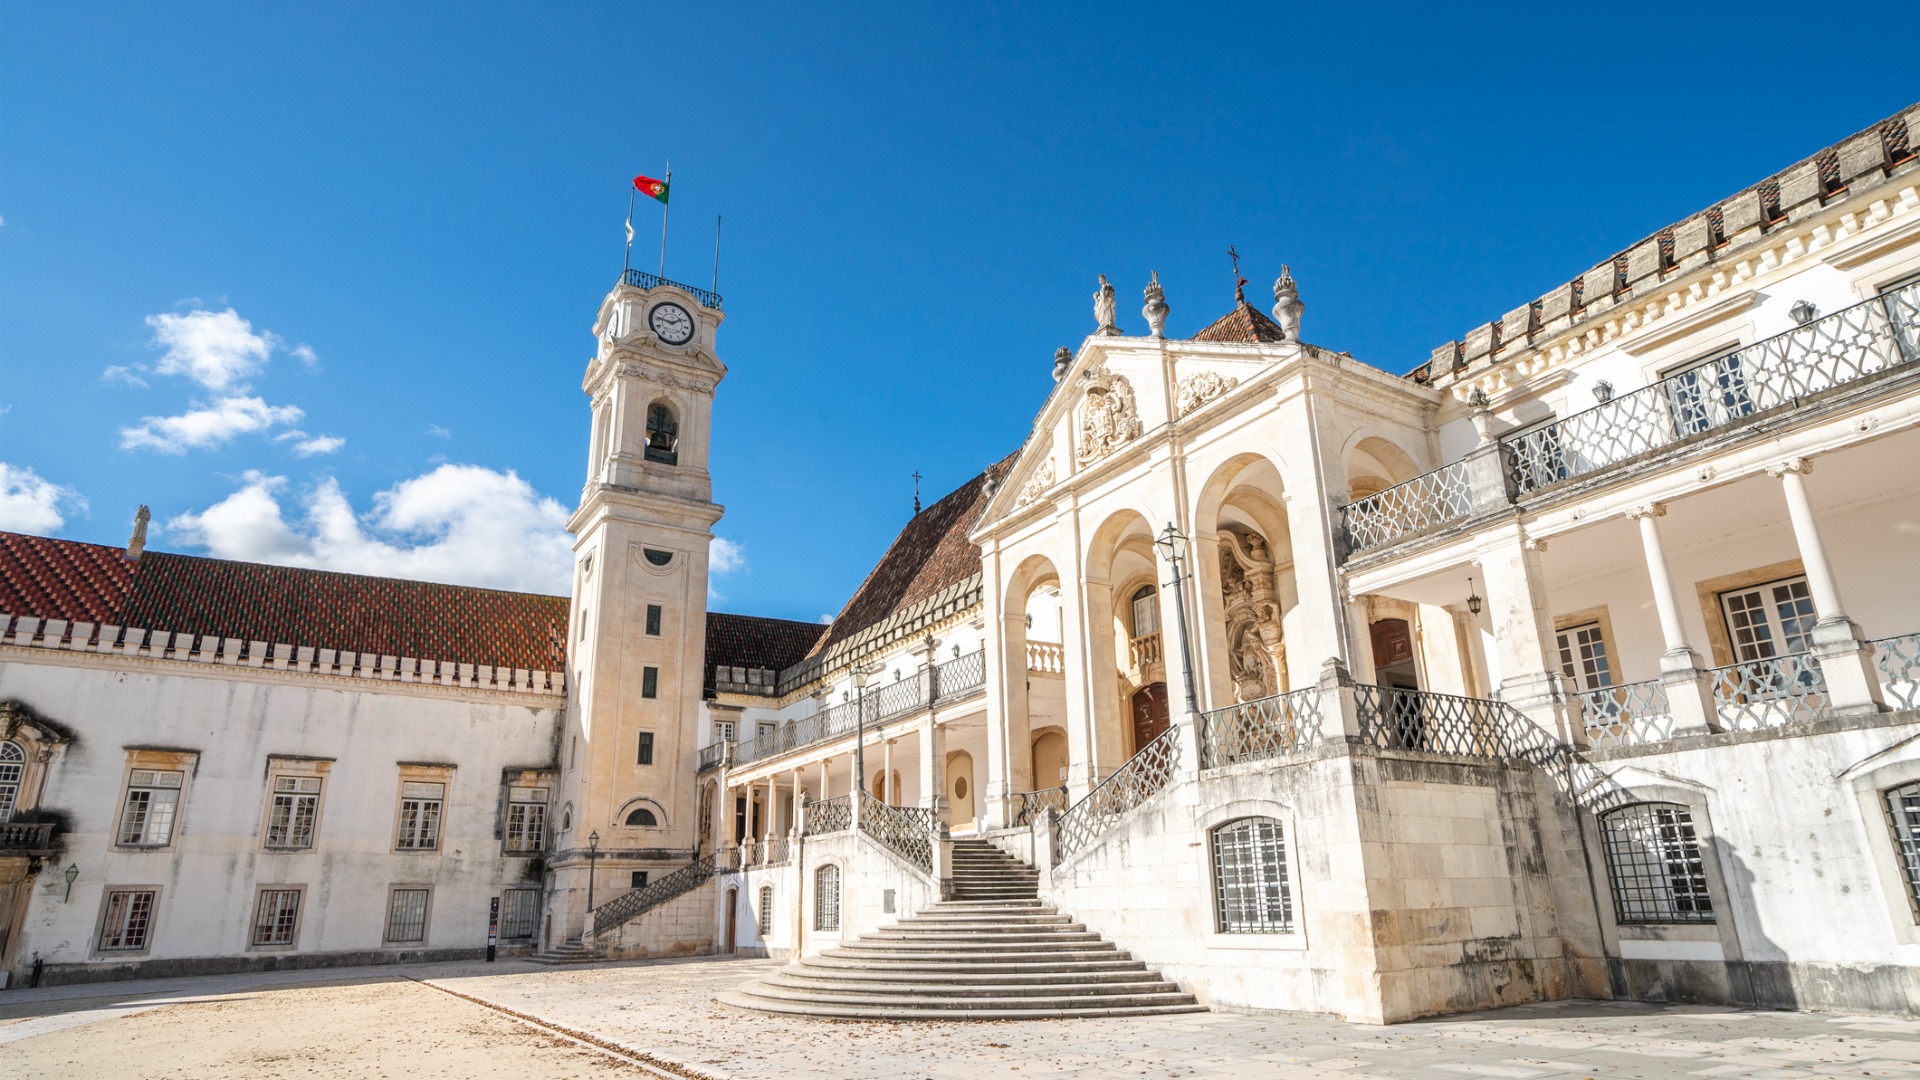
x=975, y=1010
x=1053, y=998
x=1133, y=972
x=964, y=946
x=994, y=939
x=1114, y=961
x=982, y=921
x=1004, y=988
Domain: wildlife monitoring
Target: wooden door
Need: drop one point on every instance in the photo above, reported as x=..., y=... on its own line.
x=1150, y=716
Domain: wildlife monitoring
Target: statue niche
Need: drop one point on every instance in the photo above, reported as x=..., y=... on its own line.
x=1256, y=650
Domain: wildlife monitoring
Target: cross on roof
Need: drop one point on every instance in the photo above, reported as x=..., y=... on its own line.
x=916, y=490
x=1239, y=283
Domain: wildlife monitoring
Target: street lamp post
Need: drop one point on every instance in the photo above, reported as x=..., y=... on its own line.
x=1173, y=548
x=593, y=854
x=860, y=727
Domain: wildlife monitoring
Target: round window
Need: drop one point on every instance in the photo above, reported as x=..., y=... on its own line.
x=960, y=787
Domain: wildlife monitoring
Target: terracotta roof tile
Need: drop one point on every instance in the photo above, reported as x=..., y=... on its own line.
x=1243, y=324
x=750, y=641
x=64, y=579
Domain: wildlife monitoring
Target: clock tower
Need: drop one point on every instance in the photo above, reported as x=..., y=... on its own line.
x=637, y=639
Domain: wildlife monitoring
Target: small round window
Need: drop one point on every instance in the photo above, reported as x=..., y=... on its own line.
x=960, y=787
x=658, y=557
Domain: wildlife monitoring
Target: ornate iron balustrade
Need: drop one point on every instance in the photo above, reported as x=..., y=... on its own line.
x=1898, y=659
x=711, y=755
x=1845, y=347
x=1265, y=728
x=951, y=680
x=829, y=815
x=1031, y=806
x=960, y=675
x=906, y=835
x=1421, y=503
x=897, y=698
x=1769, y=693
x=26, y=835
x=775, y=851
x=1144, y=650
x=1630, y=715
x=1395, y=719
x=1140, y=779
x=627, y=906
x=640, y=279
x=1046, y=657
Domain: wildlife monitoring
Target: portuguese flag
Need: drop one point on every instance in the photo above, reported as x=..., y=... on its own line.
x=647, y=185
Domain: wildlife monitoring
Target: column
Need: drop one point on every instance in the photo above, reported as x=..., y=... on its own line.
x=793, y=820
x=886, y=772
x=766, y=817
x=1689, y=692
x=933, y=766
x=1523, y=633
x=1845, y=657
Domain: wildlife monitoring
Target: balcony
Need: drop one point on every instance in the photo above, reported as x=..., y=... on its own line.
x=1144, y=650
x=1727, y=397
x=642, y=280
x=26, y=837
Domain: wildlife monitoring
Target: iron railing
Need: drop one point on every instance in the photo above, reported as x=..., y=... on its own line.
x=1031, y=806
x=1844, y=347
x=1265, y=728
x=1630, y=715
x=960, y=675
x=628, y=905
x=774, y=851
x=1898, y=659
x=904, y=834
x=947, y=682
x=712, y=755
x=640, y=279
x=1392, y=718
x=26, y=835
x=829, y=815
x=1140, y=779
x=1421, y=503
x=1769, y=693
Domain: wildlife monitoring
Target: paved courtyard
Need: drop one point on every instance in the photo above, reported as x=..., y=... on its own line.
x=652, y=1019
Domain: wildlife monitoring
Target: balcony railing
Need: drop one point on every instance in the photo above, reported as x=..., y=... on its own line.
x=1383, y=517
x=1046, y=658
x=829, y=815
x=711, y=755
x=1769, y=693
x=1630, y=715
x=1265, y=728
x=1898, y=659
x=628, y=905
x=641, y=280
x=923, y=689
x=1140, y=779
x=1028, y=807
x=1145, y=650
x=1392, y=718
x=26, y=835
x=899, y=830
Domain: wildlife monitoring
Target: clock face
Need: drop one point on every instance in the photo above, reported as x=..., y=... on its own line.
x=672, y=323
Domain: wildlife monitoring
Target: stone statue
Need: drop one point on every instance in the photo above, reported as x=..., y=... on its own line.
x=1286, y=303
x=1256, y=648
x=1156, y=309
x=1103, y=309
x=138, y=542
x=1251, y=666
x=1062, y=360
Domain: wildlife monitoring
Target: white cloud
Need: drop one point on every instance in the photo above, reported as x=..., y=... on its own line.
x=462, y=524
x=120, y=373
x=437, y=430
x=207, y=425
x=826, y=620
x=216, y=349
x=725, y=557
x=32, y=505
x=317, y=445
x=307, y=357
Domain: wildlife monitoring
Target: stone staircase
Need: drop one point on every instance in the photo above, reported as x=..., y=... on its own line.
x=993, y=952
x=572, y=952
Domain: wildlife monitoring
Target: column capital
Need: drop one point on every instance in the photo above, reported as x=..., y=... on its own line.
x=1647, y=510
x=1803, y=466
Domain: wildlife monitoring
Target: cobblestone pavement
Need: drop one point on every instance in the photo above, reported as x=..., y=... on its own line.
x=663, y=1012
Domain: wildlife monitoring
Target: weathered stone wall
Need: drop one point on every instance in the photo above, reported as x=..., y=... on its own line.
x=683, y=926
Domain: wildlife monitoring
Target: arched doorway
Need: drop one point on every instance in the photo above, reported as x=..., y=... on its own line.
x=728, y=943
x=1150, y=716
x=960, y=790
x=886, y=788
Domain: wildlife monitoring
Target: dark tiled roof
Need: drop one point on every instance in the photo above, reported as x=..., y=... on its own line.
x=930, y=555
x=750, y=641
x=63, y=579
x=1243, y=324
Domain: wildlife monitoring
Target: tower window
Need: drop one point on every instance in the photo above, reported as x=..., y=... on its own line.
x=653, y=620
x=657, y=557
x=642, y=816
x=650, y=682
x=646, y=748
x=663, y=435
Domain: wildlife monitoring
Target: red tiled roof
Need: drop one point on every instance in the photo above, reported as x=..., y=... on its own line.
x=64, y=579
x=750, y=641
x=1243, y=324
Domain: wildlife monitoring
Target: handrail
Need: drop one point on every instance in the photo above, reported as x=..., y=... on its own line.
x=640, y=279
x=1393, y=718
x=1263, y=728
x=629, y=905
x=906, y=835
x=829, y=815
x=1031, y=806
x=1130, y=785
x=953, y=679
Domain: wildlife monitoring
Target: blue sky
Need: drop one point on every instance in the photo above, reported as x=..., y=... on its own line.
x=412, y=211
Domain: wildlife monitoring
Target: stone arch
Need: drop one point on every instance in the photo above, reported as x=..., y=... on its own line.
x=632, y=812
x=1120, y=556
x=1244, y=582
x=663, y=431
x=1373, y=463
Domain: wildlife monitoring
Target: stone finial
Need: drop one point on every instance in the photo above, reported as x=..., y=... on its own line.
x=1156, y=309
x=1062, y=360
x=1103, y=309
x=138, y=542
x=1286, y=303
x=1481, y=413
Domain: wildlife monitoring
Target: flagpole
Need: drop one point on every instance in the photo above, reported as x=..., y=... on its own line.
x=628, y=265
x=665, y=211
x=716, y=253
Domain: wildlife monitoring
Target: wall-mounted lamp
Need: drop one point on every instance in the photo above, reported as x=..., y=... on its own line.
x=73, y=874
x=1473, y=599
x=1803, y=313
x=1603, y=391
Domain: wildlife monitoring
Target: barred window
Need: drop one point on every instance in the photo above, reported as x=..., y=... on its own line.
x=129, y=918
x=1903, y=812
x=519, y=913
x=296, y=806
x=13, y=765
x=276, y=917
x=420, y=816
x=826, y=898
x=407, y=916
x=153, y=800
x=526, y=819
x=766, y=911
x=1250, y=888
x=1653, y=861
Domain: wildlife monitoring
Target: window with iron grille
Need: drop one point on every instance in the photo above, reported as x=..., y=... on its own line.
x=13, y=765
x=1654, y=865
x=420, y=816
x=526, y=819
x=153, y=800
x=128, y=920
x=407, y=916
x=650, y=682
x=766, y=911
x=1903, y=813
x=826, y=898
x=1250, y=888
x=276, y=917
x=519, y=913
x=296, y=807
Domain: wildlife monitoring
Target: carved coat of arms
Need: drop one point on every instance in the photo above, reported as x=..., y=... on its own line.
x=1108, y=419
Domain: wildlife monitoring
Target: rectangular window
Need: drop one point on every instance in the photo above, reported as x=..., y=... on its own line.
x=1766, y=621
x=526, y=819
x=519, y=913
x=650, y=682
x=407, y=916
x=1146, y=612
x=653, y=620
x=420, y=816
x=153, y=801
x=646, y=748
x=1654, y=863
x=276, y=917
x=128, y=920
x=723, y=731
x=296, y=807
x=1251, y=892
x=639, y=879
x=1903, y=813
x=1583, y=657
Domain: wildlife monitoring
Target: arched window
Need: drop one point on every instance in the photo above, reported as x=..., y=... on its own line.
x=640, y=815
x=663, y=434
x=766, y=911
x=1146, y=611
x=1903, y=812
x=826, y=898
x=13, y=765
x=1251, y=893
x=1653, y=862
